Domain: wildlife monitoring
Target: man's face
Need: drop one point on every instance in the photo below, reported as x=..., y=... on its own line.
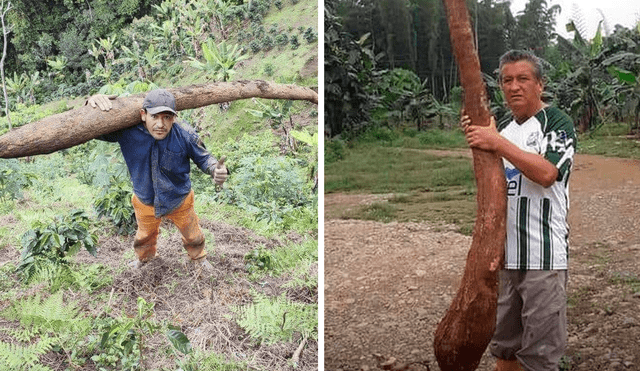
x=521, y=89
x=159, y=125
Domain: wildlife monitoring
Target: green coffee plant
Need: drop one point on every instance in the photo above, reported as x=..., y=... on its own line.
x=282, y=39
x=259, y=259
x=294, y=42
x=54, y=242
x=13, y=180
x=268, y=69
x=255, y=46
x=312, y=142
x=123, y=338
x=269, y=320
x=310, y=35
x=181, y=343
x=267, y=42
x=114, y=203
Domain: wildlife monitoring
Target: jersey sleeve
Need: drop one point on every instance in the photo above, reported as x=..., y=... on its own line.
x=559, y=142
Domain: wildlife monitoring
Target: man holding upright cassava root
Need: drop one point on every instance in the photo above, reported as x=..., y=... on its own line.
x=537, y=147
x=157, y=153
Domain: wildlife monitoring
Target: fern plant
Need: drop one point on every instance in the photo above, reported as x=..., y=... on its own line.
x=45, y=324
x=269, y=320
x=15, y=357
x=269, y=188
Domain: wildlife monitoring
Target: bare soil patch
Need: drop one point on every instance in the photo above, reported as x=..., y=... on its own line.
x=388, y=285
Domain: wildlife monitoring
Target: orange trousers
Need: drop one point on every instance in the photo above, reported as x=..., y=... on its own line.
x=184, y=217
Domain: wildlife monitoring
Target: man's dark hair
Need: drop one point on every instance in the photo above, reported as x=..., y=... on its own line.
x=513, y=56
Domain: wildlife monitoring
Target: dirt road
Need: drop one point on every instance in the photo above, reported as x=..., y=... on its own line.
x=388, y=285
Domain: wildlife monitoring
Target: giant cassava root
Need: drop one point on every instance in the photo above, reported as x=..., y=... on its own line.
x=77, y=126
x=466, y=329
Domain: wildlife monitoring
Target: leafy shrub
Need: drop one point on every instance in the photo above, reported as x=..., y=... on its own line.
x=294, y=42
x=310, y=35
x=282, y=39
x=269, y=188
x=268, y=69
x=13, y=179
x=257, y=29
x=379, y=134
x=274, y=27
x=123, y=338
x=267, y=42
x=259, y=259
x=278, y=4
x=54, y=242
x=260, y=144
x=275, y=111
x=115, y=203
x=255, y=46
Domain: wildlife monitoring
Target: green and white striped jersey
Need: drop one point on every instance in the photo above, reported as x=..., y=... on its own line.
x=537, y=227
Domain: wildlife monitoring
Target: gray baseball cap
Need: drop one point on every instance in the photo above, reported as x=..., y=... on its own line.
x=159, y=100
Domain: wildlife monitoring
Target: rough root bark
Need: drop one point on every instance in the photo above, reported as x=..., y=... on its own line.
x=77, y=126
x=466, y=329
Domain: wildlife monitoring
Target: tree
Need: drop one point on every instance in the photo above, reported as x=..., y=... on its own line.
x=5, y=31
x=350, y=66
x=535, y=26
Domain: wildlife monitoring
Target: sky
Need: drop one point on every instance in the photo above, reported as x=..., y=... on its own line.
x=623, y=12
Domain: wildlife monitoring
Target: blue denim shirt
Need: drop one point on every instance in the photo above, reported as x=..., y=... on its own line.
x=160, y=169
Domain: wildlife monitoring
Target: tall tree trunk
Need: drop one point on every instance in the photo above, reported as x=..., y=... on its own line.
x=77, y=126
x=466, y=329
x=5, y=32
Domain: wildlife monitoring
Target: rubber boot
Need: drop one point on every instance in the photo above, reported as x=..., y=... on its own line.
x=505, y=365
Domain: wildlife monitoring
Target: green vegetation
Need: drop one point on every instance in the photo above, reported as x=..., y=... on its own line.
x=69, y=300
x=426, y=175
x=610, y=140
x=423, y=186
x=594, y=78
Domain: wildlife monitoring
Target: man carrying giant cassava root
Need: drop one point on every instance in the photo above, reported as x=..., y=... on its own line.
x=158, y=153
x=537, y=147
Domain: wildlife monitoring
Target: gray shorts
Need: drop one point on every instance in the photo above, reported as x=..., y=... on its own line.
x=532, y=318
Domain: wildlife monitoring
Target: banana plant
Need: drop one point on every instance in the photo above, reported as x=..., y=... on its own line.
x=275, y=113
x=580, y=91
x=16, y=86
x=628, y=89
x=57, y=66
x=151, y=59
x=220, y=59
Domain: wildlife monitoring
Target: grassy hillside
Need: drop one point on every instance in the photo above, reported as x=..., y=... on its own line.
x=64, y=308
